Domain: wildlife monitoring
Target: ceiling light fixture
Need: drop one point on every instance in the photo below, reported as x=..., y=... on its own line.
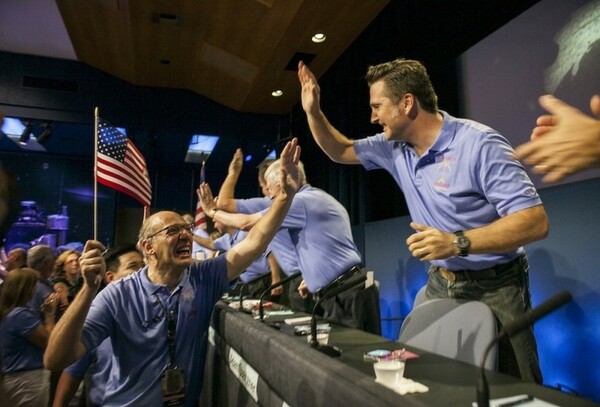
x=277, y=93
x=46, y=133
x=319, y=38
x=26, y=135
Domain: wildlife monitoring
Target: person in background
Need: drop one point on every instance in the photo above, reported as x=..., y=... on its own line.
x=120, y=262
x=41, y=258
x=564, y=142
x=472, y=205
x=23, y=339
x=231, y=236
x=16, y=259
x=316, y=235
x=157, y=319
x=199, y=252
x=61, y=288
x=67, y=266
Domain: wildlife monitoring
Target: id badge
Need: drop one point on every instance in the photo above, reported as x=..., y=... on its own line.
x=173, y=386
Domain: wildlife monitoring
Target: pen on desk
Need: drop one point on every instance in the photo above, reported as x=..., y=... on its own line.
x=517, y=402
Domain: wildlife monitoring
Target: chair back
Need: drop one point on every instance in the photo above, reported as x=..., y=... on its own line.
x=420, y=297
x=453, y=328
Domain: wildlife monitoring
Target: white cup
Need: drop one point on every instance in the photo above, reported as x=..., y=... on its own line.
x=322, y=337
x=389, y=372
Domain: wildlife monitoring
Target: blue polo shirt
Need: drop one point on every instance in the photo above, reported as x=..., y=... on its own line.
x=318, y=227
x=101, y=361
x=259, y=267
x=467, y=179
x=281, y=245
x=130, y=313
x=18, y=354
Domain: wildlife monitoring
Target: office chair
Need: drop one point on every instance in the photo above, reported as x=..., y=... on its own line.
x=420, y=297
x=454, y=328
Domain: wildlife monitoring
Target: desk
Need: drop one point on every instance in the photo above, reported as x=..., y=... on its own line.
x=277, y=366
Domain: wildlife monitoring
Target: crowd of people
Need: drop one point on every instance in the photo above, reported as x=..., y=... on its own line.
x=131, y=322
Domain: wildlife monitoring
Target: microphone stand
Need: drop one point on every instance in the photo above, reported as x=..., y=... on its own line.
x=254, y=280
x=511, y=328
x=329, y=350
x=261, y=311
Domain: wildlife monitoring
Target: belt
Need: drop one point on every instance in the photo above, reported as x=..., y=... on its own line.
x=484, y=274
x=340, y=280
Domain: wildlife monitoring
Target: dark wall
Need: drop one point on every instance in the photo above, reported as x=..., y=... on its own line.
x=161, y=121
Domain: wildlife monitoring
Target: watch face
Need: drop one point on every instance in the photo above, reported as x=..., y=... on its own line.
x=462, y=242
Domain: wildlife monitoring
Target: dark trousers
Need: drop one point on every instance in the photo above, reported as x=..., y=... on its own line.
x=358, y=307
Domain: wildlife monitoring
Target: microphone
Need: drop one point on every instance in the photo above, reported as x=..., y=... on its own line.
x=261, y=311
x=254, y=280
x=512, y=328
x=329, y=349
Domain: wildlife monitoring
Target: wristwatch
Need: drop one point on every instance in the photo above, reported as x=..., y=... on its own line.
x=463, y=243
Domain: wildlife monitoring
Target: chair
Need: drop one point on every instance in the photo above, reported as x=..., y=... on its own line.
x=453, y=328
x=420, y=297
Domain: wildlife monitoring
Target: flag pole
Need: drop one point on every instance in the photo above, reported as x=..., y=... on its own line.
x=96, y=120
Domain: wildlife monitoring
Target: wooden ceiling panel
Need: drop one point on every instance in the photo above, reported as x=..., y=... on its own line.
x=233, y=52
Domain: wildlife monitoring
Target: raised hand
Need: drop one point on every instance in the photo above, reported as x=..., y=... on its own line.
x=92, y=263
x=311, y=93
x=237, y=162
x=290, y=157
x=565, y=142
x=206, y=198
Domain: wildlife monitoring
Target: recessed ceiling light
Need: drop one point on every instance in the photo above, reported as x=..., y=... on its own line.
x=319, y=37
x=277, y=93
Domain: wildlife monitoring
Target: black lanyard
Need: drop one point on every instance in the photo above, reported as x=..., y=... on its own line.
x=171, y=326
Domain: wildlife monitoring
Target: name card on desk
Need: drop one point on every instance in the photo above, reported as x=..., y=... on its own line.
x=244, y=373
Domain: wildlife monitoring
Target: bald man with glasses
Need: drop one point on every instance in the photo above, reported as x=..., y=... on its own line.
x=157, y=319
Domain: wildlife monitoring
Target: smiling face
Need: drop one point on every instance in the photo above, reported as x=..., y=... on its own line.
x=168, y=241
x=392, y=117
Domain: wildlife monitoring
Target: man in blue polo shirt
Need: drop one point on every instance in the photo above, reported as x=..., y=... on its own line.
x=157, y=318
x=121, y=261
x=473, y=207
x=317, y=232
x=259, y=268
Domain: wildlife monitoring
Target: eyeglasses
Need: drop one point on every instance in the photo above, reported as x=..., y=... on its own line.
x=175, y=230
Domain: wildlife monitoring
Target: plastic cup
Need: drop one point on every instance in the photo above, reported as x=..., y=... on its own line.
x=389, y=372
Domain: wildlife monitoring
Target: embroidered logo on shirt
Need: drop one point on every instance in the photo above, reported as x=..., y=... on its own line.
x=187, y=294
x=445, y=167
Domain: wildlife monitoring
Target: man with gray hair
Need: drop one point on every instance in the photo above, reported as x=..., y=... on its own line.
x=315, y=238
x=41, y=258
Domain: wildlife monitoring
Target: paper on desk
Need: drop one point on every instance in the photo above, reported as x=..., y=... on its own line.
x=299, y=320
x=406, y=386
x=504, y=400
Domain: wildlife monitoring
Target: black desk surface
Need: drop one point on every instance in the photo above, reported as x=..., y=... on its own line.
x=450, y=382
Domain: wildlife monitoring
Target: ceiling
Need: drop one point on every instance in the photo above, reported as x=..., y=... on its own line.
x=234, y=52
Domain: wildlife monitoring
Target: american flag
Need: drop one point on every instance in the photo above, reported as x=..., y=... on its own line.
x=200, y=218
x=121, y=166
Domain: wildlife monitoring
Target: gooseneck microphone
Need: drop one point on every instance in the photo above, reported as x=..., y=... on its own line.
x=513, y=327
x=261, y=311
x=329, y=349
x=254, y=280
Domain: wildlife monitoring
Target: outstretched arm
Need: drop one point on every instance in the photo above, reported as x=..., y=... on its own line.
x=337, y=146
x=64, y=344
x=243, y=254
x=564, y=142
x=237, y=220
x=226, y=199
